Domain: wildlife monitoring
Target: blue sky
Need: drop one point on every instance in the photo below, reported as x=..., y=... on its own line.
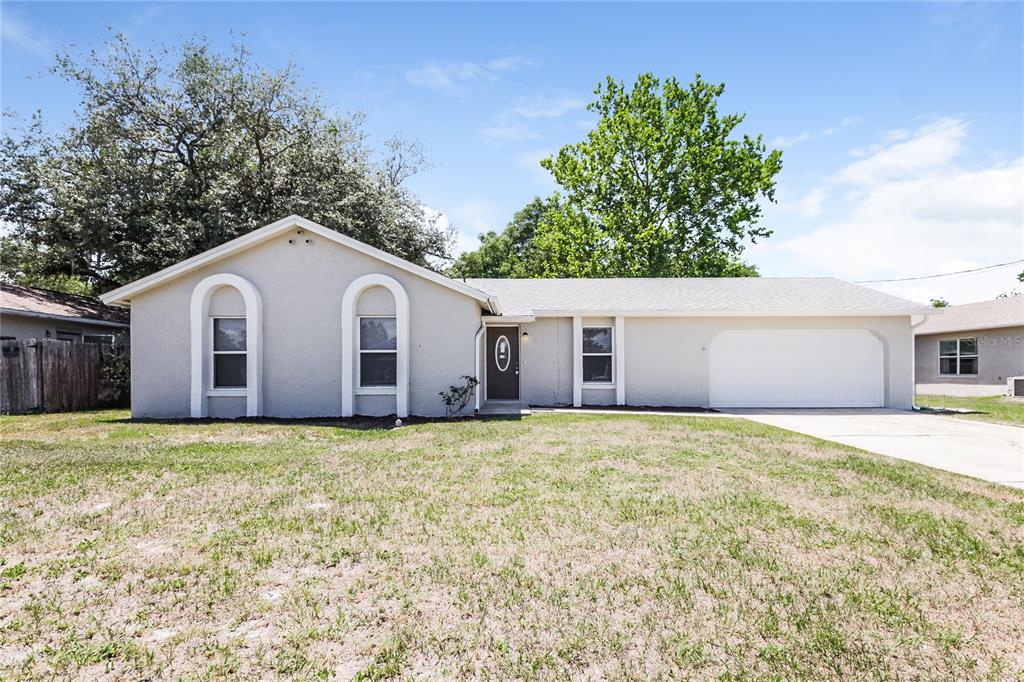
x=901, y=125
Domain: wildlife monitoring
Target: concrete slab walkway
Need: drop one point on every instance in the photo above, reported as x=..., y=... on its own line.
x=991, y=452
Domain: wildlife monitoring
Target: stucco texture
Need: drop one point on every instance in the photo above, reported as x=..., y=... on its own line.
x=301, y=285
x=666, y=358
x=1000, y=356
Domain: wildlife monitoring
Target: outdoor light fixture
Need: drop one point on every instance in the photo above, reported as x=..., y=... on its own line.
x=526, y=335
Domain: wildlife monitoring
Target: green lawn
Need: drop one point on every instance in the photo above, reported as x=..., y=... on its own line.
x=996, y=409
x=559, y=546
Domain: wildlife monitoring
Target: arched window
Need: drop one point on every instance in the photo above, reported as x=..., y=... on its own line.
x=381, y=343
x=226, y=350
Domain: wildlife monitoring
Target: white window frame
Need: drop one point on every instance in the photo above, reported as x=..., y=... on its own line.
x=226, y=390
x=958, y=355
x=109, y=337
x=583, y=354
x=374, y=390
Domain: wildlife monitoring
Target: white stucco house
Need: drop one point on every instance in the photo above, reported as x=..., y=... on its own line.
x=297, y=320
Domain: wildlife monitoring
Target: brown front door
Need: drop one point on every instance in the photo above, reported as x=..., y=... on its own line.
x=503, y=363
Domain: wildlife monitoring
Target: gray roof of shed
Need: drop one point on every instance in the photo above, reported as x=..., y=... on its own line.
x=694, y=296
x=1002, y=312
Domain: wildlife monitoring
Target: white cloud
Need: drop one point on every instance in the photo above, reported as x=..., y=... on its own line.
x=514, y=122
x=449, y=77
x=806, y=135
x=930, y=147
x=545, y=106
x=910, y=209
x=14, y=31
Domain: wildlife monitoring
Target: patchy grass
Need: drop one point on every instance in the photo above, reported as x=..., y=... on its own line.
x=560, y=546
x=995, y=408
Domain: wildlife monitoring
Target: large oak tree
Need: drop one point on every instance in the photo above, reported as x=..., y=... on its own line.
x=174, y=151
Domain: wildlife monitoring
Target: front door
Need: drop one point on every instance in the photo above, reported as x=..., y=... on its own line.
x=503, y=363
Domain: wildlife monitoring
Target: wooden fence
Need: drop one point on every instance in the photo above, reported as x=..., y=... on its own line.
x=47, y=375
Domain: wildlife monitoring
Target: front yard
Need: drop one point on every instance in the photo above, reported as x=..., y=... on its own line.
x=562, y=545
x=994, y=408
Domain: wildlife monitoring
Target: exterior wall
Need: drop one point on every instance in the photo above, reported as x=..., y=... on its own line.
x=666, y=358
x=301, y=286
x=27, y=327
x=545, y=362
x=1000, y=355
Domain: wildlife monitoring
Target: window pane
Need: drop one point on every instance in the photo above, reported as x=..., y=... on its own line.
x=597, y=340
x=229, y=370
x=597, y=368
x=377, y=333
x=947, y=347
x=98, y=338
x=378, y=369
x=229, y=333
x=947, y=365
x=968, y=346
x=968, y=365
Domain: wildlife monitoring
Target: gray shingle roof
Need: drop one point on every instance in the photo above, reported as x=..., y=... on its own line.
x=689, y=296
x=32, y=301
x=1002, y=312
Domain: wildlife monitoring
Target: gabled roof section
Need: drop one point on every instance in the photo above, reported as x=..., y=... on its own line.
x=694, y=296
x=122, y=296
x=996, y=314
x=56, y=305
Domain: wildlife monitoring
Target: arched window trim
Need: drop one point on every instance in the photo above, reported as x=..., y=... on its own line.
x=201, y=372
x=348, y=343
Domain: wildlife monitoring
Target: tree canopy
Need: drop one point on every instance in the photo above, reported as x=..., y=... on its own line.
x=513, y=252
x=661, y=187
x=174, y=151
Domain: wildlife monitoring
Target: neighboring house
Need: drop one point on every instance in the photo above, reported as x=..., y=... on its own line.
x=971, y=349
x=31, y=313
x=297, y=320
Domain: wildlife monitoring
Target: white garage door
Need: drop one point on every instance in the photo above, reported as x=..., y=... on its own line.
x=796, y=368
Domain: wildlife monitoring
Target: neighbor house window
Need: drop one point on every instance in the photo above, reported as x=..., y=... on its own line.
x=68, y=336
x=229, y=352
x=378, y=352
x=597, y=355
x=958, y=356
x=98, y=338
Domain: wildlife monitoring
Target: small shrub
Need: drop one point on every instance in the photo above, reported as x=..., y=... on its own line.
x=457, y=396
x=116, y=375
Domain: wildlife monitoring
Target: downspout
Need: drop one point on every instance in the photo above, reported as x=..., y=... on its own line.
x=913, y=361
x=476, y=365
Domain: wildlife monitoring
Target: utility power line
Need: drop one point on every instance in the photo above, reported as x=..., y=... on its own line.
x=944, y=274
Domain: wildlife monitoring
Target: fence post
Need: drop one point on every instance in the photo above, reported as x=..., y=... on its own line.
x=39, y=374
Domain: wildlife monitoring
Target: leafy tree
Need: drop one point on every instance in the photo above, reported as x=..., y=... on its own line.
x=512, y=253
x=939, y=303
x=178, y=150
x=658, y=188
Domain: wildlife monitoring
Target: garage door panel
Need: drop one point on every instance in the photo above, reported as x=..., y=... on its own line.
x=796, y=368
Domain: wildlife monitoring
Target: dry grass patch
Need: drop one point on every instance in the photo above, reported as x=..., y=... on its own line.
x=563, y=545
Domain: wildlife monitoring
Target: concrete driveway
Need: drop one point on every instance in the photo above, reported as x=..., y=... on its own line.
x=992, y=452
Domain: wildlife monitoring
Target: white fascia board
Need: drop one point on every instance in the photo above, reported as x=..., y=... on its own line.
x=63, y=318
x=122, y=295
x=732, y=313
x=509, y=319
x=977, y=328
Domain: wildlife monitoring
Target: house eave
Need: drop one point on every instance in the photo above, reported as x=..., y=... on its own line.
x=733, y=313
x=64, y=318
x=122, y=295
